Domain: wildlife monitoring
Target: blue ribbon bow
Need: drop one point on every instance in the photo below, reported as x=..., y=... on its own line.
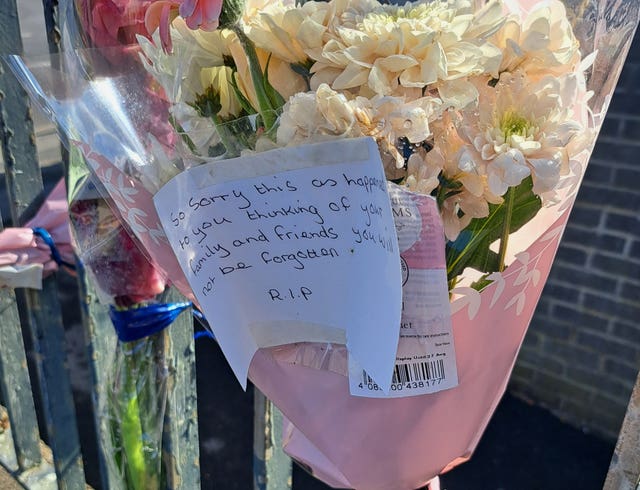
x=55, y=253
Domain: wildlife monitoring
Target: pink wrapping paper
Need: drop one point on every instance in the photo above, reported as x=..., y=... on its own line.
x=488, y=331
x=134, y=205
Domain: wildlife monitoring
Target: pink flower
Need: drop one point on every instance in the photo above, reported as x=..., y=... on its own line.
x=121, y=271
x=159, y=15
x=198, y=14
x=201, y=14
x=114, y=22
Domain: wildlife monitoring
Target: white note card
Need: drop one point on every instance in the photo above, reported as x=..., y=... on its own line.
x=291, y=245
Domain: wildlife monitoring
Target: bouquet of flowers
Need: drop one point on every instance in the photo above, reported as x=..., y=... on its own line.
x=133, y=404
x=382, y=318
x=133, y=409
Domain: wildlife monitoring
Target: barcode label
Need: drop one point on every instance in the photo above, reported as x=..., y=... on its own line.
x=409, y=379
x=429, y=371
x=420, y=371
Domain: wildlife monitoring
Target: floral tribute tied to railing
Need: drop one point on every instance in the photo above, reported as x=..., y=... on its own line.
x=364, y=200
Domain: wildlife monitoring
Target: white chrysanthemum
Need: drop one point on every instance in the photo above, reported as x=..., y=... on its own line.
x=542, y=43
x=212, y=60
x=196, y=64
x=179, y=72
x=311, y=117
x=225, y=43
x=462, y=190
x=390, y=119
x=286, y=30
x=380, y=48
x=523, y=128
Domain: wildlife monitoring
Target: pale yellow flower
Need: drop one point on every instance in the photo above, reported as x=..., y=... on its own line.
x=221, y=77
x=523, y=128
x=224, y=48
x=286, y=30
x=196, y=64
x=310, y=117
x=391, y=119
x=542, y=43
x=467, y=197
x=383, y=47
x=179, y=72
x=223, y=44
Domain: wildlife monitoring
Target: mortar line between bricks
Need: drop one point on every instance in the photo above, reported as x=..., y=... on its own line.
x=613, y=163
x=603, y=138
x=582, y=269
x=614, y=255
x=623, y=116
x=571, y=305
x=601, y=234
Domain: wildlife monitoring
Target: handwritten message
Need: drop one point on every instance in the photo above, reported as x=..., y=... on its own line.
x=304, y=252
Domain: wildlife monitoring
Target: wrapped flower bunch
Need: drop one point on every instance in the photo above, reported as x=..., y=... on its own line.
x=364, y=199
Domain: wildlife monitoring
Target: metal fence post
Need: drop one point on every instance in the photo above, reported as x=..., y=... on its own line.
x=44, y=322
x=15, y=385
x=271, y=466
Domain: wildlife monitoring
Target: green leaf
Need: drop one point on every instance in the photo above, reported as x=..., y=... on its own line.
x=481, y=283
x=77, y=174
x=265, y=108
x=244, y=102
x=471, y=248
x=277, y=101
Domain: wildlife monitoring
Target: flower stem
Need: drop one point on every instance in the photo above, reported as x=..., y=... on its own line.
x=265, y=108
x=506, y=227
x=131, y=428
x=227, y=140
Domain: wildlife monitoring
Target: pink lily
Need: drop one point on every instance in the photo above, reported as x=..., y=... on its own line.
x=198, y=14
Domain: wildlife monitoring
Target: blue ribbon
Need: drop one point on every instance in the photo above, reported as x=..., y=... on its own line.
x=203, y=333
x=137, y=323
x=197, y=314
x=55, y=253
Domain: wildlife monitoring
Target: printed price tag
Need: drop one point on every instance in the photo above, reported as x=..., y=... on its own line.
x=425, y=361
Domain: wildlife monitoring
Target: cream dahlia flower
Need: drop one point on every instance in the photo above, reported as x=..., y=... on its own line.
x=523, y=128
x=379, y=48
x=463, y=189
x=391, y=119
x=286, y=30
x=310, y=117
x=542, y=43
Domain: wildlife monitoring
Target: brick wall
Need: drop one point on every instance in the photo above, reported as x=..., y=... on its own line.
x=581, y=355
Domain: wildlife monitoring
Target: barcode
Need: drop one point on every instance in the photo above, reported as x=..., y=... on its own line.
x=408, y=373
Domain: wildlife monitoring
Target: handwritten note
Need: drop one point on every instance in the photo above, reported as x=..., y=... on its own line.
x=291, y=245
